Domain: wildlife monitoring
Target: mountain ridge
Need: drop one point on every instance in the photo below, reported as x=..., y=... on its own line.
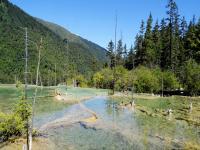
x=59, y=58
x=66, y=34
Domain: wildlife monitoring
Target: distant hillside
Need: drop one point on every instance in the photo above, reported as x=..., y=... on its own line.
x=70, y=54
x=91, y=47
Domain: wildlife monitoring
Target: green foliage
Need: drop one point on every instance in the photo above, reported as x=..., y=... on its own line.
x=119, y=55
x=169, y=44
x=145, y=80
x=23, y=109
x=18, y=84
x=103, y=78
x=168, y=79
x=121, y=78
x=15, y=124
x=106, y=76
x=66, y=50
x=81, y=81
x=110, y=54
x=10, y=124
x=98, y=80
x=149, y=44
x=192, y=77
x=170, y=82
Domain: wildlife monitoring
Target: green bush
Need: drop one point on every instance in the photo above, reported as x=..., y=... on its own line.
x=121, y=78
x=103, y=78
x=98, y=80
x=14, y=124
x=10, y=125
x=192, y=77
x=168, y=79
x=81, y=81
x=23, y=110
x=145, y=81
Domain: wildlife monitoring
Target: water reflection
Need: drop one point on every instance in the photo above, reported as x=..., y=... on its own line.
x=122, y=128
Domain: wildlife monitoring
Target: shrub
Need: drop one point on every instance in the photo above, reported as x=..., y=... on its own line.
x=14, y=124
x=23, y=110
x=104, y=78
x=10, y=124
x=192, y=77
x=168, y=79
x=81, y=81
x=18, y=84
x=121, y=80
x=98, y=80
x=145, y=81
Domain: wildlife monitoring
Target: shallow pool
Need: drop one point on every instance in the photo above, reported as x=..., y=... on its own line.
x=123, y=129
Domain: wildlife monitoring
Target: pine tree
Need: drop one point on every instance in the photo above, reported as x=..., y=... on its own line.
x=125, y=55
x=157, y=44
x=165, y=45
x=130, y=64
x=148, y=44
x=119, y=55
x=173, y=19
x=183, y=27
x=139, y=47
x=183, y=31
x=197, y=56
x=190, y=38
x=192, y=42
x=111, y=54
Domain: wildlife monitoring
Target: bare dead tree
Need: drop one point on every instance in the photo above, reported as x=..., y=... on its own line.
x=26, y=83
x=114, y=67
x=35, y=95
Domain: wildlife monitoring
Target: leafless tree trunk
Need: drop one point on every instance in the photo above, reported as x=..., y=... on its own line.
x=26, y=83
x=34, y=98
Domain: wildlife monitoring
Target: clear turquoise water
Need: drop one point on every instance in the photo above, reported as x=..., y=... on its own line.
x=123, y=129
x=115, y=128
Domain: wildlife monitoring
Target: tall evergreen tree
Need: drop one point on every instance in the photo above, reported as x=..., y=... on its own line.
x=192, y=43
x=139, y=47
x=157, y=44
x=119, y=54
x=173, y=24
x=125, y=55
x=165, y=45
x=131, y=58
x=111, y=54
x=183, y=27
x=183, y=31
x=190, y=38
x=148, y=44
x=197, y=56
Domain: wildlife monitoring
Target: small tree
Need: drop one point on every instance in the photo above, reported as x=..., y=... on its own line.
x=80, y=81
x=145, y=80
x=192, y=77
x=121, y=78
x=98, y=80
x=167, y=79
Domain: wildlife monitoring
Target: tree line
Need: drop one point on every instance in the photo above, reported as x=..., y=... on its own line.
x=172, y=45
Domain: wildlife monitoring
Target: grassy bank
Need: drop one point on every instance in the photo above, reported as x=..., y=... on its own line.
x=158, y=107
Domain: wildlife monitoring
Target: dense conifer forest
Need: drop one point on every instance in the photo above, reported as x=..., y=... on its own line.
x=170, y=45
x=64, y=56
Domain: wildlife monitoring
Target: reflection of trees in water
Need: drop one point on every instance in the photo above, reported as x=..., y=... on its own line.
x=112, y=109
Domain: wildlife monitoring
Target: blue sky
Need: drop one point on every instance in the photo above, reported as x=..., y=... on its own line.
x=95, y=19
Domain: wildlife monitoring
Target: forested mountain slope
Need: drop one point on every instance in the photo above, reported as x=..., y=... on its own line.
x=63, y=56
